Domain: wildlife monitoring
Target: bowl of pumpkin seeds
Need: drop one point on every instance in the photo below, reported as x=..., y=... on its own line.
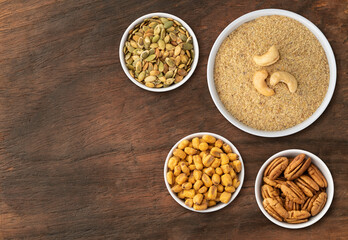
x=159, y=52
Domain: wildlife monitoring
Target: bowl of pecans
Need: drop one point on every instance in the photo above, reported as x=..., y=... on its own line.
x=159, y=52
x=294, y=189
x=204, y=172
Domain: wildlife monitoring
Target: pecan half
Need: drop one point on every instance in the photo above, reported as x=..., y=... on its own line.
x=269, y=192
x=309, y=203
x=276, y=167
x=296, y=216
x=319, y=203
x=293, y=192
x=317, y=176
x=275, y=209
x=290, y=205
x=274, y=183
x=297, y=167
x=307, y=184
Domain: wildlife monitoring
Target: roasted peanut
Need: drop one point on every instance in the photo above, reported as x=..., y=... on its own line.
x=224, y=159
x=177, y=170
x=235, y=182
x=181, y=178
x=189, y=159
x=173, y=161
x=189, y=193
x=219, y=143
x=232, y=156
x=216, y=152
x=186, y=185
x=203, y=146
x=170, y=177
x=184, y=168
x=233, y=173
x=192, y=167
x=191, y=179
x=212, y=192
x=225, y=197
x=198, y=162
x=237, y=166
x=209, y=171
x=220, y=188
x=195, y=143
x=208, y=160
x=189, y=202
x=225, y=168
x=183, y=144
x=190, y=151
x=197, y=174
x=211, y=203
x=202, y=206
x=227, y=148
x=226, y=180
x=216, y=163
x=209, y=139
x=176, y=188
x=179, y=153
x=218, y=171
x=215, y=179
x=197, y=199
x=203, y=189
x=197, y=185
x=206, y=180
x=230, y=189
x=181, y=195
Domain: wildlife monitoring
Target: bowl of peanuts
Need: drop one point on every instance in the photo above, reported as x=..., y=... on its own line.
x=294, y=188
x=159, y=52
x=204, y=172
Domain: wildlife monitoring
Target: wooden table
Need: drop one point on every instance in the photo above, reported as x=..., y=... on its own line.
x=82, y=148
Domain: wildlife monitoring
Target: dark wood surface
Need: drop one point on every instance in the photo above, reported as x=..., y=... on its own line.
x=82, y=148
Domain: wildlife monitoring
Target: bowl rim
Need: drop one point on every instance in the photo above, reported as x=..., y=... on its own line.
x=240, y=175
x=195, y=47
x=317, y=33
x=319, y=163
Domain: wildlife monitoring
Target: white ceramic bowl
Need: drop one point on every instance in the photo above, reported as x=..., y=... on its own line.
x=219, y=205
x=319, y=164
x=251, y=16
x=195, y=48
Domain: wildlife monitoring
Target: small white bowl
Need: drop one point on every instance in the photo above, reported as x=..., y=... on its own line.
x=319, y=164
x=251, y=16
x=195, y=48
x=219, y=205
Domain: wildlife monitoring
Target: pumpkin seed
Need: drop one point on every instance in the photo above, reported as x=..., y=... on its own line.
x=168, y=24
x=150, y=85
x=169, y=74
x=141, y=76
x=170, y=62
x=150, y=58
x=150, y=79
x=187, y=46
x=161, y=44
x=155, y=38
x=177, y=50
x=160, y=66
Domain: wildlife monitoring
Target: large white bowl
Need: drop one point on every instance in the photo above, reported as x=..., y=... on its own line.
x=251, y=16
x=219, y=205
x=319, y=164
x=195, y=48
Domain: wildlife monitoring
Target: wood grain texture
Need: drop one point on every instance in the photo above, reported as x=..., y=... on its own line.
x=82, y=148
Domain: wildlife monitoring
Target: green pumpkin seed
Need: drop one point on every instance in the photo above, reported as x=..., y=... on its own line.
x=150, y=78
x=155, y=38
x=169, y=74
x=150, y=58
x=187, y=46
x=170, y=62
x=160, y=66
x=168, y=24
x=163, y=20
x=151, y=51
x=141, y=76
x=144, y=54
x=167, y=39
x=161, y=44
x=172, y=36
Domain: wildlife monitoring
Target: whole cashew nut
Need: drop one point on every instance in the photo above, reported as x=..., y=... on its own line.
x=270, y=57
x=286, y=78
x=260, y=83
